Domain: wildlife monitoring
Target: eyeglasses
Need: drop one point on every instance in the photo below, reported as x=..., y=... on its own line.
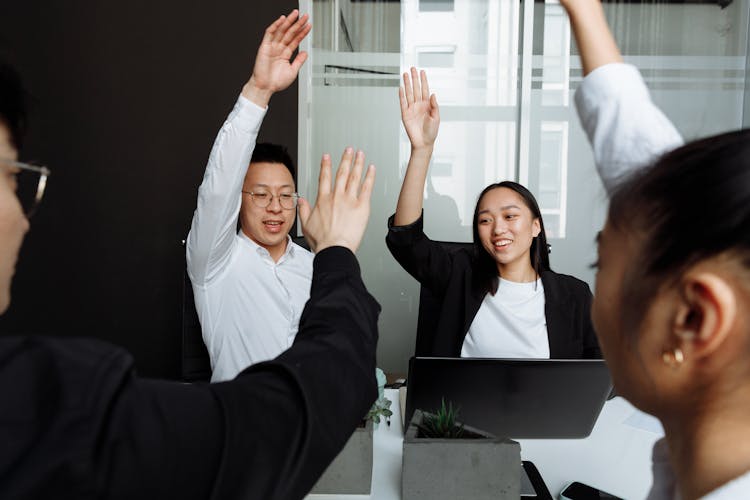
x=31, y=180
x=262, y=199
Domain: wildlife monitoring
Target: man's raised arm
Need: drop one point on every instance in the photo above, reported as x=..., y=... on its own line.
x=273, y=430
x=219, y=196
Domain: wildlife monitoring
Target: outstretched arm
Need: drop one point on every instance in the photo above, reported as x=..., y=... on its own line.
x=274, y=70
x=595, y=42
x=272, y=431
x=626, y=130
x=215, y=220
x=421, y=118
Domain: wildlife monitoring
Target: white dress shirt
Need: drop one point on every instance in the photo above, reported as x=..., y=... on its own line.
x=509, y=324
x=248, y=305
x=626, y=129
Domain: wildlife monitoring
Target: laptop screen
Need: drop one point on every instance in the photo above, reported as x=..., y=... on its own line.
x=516, y=398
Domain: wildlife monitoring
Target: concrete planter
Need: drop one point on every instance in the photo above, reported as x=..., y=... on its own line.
x=470, y=469
x=351, y=471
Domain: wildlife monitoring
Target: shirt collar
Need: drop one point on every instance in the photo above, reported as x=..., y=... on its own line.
x=288, y=253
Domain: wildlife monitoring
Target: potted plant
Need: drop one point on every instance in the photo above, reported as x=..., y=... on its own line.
x=351, y=470
x=444, y=459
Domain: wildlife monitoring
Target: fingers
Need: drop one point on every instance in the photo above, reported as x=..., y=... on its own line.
x=408, y=90
x=304, y=211
x=342, y=175
x=324, y=179
x=415, y=84
x=282, y=29
x=299, y=61
x=298, y=27
x=352, y=184
x=271, y=30
x=366, y=193
x=300, y=36
x=425, y=85
x=402, y=100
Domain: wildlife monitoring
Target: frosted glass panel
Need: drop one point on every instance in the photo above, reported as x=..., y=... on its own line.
x=504, y=72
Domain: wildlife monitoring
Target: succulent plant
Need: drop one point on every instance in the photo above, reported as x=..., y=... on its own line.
x=442, y=423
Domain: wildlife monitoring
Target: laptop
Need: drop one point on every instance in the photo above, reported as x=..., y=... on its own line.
x=516, y=398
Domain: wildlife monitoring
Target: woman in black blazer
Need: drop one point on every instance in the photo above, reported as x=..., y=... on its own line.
x=501, y=299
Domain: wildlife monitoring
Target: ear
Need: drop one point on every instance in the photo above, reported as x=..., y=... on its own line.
x=536, y=228
x=706, y=315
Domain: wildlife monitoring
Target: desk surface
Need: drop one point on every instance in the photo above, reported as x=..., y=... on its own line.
x=616, y=457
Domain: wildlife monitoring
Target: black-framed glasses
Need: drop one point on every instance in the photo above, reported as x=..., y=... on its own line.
x=262, y=199
x=31, y=181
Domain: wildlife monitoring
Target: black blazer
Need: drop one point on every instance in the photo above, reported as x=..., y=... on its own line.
x=76, y=423
x=448, y=275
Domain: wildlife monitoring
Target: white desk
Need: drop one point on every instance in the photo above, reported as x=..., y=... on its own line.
x=616, y=457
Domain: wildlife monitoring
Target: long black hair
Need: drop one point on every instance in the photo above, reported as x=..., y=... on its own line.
x=693, y=204
x=12, y=103
x=485, y=268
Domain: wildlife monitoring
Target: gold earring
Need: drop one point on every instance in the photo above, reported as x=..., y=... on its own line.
x=673, y=358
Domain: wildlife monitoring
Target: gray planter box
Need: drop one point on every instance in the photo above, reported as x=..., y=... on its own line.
x=351, y=471
x=469, y=469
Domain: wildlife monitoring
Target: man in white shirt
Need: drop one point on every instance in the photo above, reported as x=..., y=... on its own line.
x=250, y=286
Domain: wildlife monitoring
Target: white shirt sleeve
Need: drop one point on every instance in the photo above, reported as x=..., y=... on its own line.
x=213, y=230
x=626, y=129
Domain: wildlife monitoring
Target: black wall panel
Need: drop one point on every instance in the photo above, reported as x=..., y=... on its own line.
x=126, y=100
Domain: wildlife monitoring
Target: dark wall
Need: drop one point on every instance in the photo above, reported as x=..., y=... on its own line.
x=126, y=100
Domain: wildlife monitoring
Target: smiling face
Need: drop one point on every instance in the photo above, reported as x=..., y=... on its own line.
x=13, y=222
x=269, y=226
x=506, y=228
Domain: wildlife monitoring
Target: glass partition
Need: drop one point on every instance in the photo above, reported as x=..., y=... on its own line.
x=504, y=72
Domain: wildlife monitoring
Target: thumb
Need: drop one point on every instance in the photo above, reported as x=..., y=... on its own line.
x=299, y=61
x=304, y=211
x=435, y=109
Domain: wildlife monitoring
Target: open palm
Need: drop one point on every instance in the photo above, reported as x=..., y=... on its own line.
x=273, y=68
x=419, y=110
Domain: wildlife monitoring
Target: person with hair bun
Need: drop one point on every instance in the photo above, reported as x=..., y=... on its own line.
x=672, y=300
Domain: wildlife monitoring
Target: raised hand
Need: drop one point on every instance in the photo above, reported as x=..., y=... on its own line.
x=339, y=217
x=419, y=110
x=274, y=70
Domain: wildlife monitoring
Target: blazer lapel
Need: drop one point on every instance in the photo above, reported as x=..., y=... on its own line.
x=559, y=320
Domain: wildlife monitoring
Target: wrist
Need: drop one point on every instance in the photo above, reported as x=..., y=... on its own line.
x=258, y=95
x=423, y=150
x=328, y=243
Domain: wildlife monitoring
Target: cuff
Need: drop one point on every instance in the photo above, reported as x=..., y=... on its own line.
x=417, y=225
x=609, y=82
x=336, y=259
x=247, y=115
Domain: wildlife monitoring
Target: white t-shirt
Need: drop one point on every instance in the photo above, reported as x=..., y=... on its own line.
x=510, y=324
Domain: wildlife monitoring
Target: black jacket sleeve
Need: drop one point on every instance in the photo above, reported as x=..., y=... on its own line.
x=591, y=348
x=83, y=426
x=427, y=261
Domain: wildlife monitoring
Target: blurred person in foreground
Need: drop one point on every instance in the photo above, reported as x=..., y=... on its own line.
x=77, y=423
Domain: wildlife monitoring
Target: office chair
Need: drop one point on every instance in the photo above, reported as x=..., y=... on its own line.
x=430, y=305
x=196, y=364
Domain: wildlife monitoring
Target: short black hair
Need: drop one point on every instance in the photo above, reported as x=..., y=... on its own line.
x=273, y=153
x=12, y=103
